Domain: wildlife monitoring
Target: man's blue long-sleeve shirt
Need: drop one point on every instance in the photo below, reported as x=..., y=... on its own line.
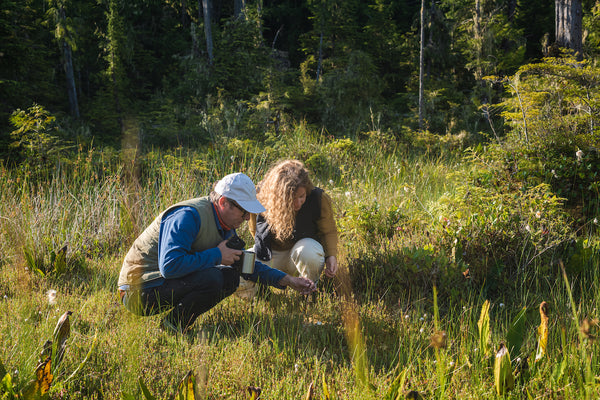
x=178, y=229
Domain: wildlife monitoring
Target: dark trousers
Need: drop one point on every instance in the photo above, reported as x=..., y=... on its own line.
x=185, y=297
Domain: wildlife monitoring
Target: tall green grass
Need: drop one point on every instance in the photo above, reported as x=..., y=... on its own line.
x=373, y=332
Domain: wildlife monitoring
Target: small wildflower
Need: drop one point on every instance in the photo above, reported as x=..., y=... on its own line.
x=421, y=319
x=421, y=330
x=331, y=181
x=451, y=363
x=579, y=155
x=595, y=221
x=296, y=367
x=348, y=194
x=528, y=228
x=406, y=316
x=232, y=158
x=501, y=305
x=554, y=173
x=51, y=296
x=406, y=189
x=538, y=214
x=438, y=340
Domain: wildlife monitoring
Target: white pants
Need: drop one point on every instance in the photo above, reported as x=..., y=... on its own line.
x=306, y=259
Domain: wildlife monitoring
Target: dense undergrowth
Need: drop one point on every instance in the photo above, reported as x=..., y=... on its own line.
x=408, y=224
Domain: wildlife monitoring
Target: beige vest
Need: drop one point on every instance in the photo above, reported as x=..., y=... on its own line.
x=141, y=262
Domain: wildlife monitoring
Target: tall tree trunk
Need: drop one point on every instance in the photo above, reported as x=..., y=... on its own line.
x=238, y=8
x=206, y=8
x=421, y=83
x=68, y=67
x=568, y=30
x=478, y=36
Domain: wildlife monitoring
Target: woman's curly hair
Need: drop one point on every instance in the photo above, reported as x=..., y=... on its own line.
x=276, y=193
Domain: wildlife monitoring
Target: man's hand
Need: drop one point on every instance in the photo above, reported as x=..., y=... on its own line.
x=228, y=255
x=331, y=266
x=299, y=284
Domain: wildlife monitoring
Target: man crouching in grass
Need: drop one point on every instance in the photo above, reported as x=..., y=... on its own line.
x=181, y=262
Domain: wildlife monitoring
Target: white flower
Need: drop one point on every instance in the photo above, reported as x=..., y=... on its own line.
x=452, y=363
x=538, y=214
x=296, y=367
x=51, y=296
x=421, y=330
x=348, y=194
x=579, y=155
x=331, y=181
x=501, y=305
x=554, y=174
x=421, y=319
x=406, y=316
x=595, y=222
x=528, y=228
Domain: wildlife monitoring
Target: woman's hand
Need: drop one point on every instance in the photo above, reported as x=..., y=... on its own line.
x=331, y=266
x=299, y=284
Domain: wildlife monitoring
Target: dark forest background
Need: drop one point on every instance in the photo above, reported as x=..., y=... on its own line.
x=175, y=72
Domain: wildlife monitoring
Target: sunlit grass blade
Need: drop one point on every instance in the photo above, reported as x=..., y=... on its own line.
x=86, y=358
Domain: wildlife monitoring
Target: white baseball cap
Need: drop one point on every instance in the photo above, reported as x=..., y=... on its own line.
x=240, y=188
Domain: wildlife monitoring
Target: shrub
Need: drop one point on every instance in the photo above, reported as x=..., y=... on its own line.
x=553, y=116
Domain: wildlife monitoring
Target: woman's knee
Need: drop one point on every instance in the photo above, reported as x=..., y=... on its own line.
x=309, y=258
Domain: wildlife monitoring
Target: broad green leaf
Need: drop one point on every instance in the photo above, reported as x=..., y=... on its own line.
x=127, y=396
x=484, y=328
x=145, y=390
x=60, y=336
x=542, y=332
x=2, y=369
x=503, y=375
x=516, y=332
x=60, y=261
x=397, y=386
x=186, y=389
x=325, y=388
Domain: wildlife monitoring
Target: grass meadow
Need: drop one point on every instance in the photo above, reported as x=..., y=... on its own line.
x=438, y=275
